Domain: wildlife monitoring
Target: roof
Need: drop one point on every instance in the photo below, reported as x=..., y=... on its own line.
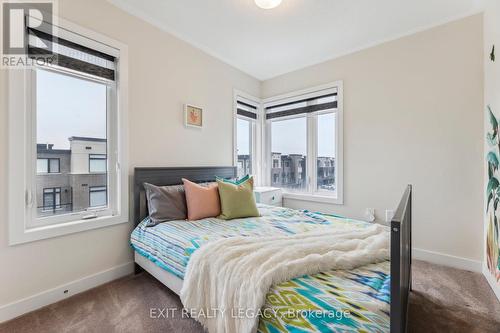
x=82, y=138
x=43, y=150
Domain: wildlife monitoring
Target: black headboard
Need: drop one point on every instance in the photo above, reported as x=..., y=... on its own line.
x=171, y=176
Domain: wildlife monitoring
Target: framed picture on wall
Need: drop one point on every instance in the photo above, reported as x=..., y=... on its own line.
x=193, y=116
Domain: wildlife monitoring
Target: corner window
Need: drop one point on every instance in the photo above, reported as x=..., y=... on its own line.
x=289, y=153
x=304, y=143
x=66, y=114
x=246, y=128
x=326, y=152
x=244, y=147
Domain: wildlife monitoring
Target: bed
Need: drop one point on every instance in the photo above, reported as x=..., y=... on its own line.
x=375, y=295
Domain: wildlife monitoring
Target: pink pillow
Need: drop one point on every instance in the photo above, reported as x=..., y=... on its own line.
x=202, y=201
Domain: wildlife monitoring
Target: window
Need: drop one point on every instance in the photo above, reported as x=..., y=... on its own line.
x=48, y=165
x=246, y=128
x=97, y=163
x=326, y=138
x=244, y=147
x=304, y=143
x=289, y=140
x=62, y=97
x=98, y=196
x=51, y=198
x=73, y=107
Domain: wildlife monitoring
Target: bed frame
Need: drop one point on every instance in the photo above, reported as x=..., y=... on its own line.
x=401, y=252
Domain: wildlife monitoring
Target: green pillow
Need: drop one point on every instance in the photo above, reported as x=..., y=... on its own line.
x=237, y=201
x=231, y=181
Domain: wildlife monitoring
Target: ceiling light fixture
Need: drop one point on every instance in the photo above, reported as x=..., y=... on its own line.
x=267, y=4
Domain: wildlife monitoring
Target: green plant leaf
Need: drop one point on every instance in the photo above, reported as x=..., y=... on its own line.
x=492, y=159
x=490, y=196
x=492, y=185
x=493, y=120
x=491, y=139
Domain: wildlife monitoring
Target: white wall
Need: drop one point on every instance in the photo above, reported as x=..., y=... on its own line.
x=413, y=113
x=492, y=98
x=164, y=73
x=80, y=154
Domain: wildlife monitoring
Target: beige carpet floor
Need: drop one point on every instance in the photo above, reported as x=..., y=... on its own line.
x=443, y=300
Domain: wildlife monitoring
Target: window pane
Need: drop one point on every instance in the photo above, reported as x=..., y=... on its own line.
x=48, y=199
x=326, y=152
x=98, y=196
x=42, y=165
x=54, y=165
x=244, y=147
x=97, y=163
x=71, y=126
x=288, y=144
x=51, y=199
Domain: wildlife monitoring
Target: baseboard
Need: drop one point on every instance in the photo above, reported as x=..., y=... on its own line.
x=491, y=281
x=18, y=308
x=447, y=260
x=25, y=305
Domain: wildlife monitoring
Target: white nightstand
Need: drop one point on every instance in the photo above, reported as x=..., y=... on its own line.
x=268, y=196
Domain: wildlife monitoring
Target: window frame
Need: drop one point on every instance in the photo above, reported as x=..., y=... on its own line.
x=255, y=133
x=55, y=191
x=251, y=137
x=94, y=191
x=23, y=227
x=287, y=163
x=312, y=193
x=49, y=170
x=99, y=159
x=111, y=109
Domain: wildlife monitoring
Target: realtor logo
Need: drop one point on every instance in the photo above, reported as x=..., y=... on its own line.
x=17, y=17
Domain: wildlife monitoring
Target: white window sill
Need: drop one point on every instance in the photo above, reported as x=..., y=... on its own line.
x=55, y=230
x=330, y=199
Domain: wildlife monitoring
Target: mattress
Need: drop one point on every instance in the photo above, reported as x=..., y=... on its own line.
x=335, y=301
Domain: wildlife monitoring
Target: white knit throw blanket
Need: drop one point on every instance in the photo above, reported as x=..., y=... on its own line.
x=227, y=280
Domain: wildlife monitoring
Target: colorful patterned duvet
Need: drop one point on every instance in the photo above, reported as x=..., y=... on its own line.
x=335, y=301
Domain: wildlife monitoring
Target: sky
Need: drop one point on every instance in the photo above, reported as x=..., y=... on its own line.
x=243, y=136
x=290, y=136
x=67, y=106
x=326, y=135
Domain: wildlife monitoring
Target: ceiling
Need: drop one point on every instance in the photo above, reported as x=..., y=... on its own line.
x=298, y=33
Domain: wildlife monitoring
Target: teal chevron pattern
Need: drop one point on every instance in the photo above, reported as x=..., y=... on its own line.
x=334, y=301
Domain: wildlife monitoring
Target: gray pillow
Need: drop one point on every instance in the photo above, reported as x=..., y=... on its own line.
x=165, y=203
